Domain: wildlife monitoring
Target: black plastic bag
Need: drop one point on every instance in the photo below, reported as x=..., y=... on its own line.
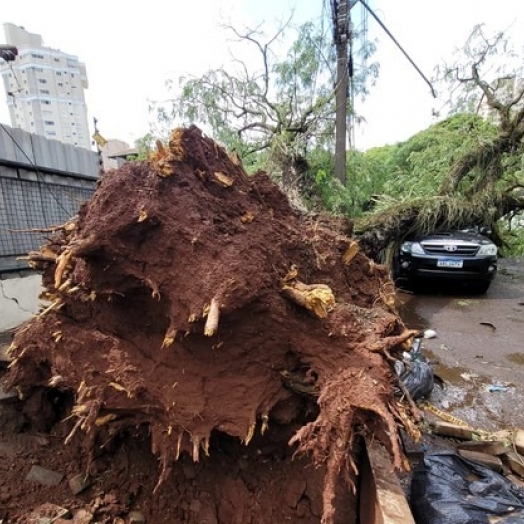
x=447, y=489
x=417, y=376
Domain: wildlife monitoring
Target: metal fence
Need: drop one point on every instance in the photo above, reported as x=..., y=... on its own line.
x=42, y=184
x=34, y=204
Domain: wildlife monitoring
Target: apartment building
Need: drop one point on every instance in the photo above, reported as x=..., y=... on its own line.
x=45, y=89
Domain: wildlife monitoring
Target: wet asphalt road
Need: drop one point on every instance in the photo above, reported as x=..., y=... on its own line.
x=479, y=343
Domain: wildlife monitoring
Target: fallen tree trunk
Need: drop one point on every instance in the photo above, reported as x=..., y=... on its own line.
x=438, y=213
x=185, y=296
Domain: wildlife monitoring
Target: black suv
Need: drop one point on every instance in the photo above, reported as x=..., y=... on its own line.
x=466, y=256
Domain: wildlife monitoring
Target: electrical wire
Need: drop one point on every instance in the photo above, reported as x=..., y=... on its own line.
x=395, y=41
x=20, y=89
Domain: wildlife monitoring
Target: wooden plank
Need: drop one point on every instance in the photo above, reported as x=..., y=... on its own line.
x=491, y=447
x=494, y=463
x=382, y=500
x=515, y=462
x=5, y=360
x=446, y=429
x=519, y=440
x=412, y=449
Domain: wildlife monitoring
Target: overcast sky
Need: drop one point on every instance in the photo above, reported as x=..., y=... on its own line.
x=131, y=48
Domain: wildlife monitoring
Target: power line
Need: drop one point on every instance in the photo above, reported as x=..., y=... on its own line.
x=388, y=32
x=20, y=89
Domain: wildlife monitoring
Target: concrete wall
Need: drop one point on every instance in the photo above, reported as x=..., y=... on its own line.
x=18, y=298
x=36, y=153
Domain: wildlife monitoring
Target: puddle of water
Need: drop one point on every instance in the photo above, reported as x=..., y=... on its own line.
x=450, y=375
x=465, y=395
x=516, y=358
x=407, y=311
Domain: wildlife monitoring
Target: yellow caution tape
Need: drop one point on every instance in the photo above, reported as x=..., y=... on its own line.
x=445, y=416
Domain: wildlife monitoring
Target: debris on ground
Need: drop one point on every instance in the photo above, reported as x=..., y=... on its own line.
x=429, y=333
x=415, y=372
x=497, y=388
x=502, y=451
x=448, y=488
x=191, y=309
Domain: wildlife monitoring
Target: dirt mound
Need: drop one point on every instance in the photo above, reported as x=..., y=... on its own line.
x=190, y=301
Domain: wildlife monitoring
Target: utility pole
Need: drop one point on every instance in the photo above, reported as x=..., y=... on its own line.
x=340, y=12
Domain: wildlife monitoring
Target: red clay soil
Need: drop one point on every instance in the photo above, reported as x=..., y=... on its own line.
x=196, y=313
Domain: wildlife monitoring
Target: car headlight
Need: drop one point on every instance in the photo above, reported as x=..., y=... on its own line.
x=488, y=250
x=412, y=247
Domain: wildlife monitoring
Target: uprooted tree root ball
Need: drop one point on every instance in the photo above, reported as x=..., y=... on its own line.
x=189, y=299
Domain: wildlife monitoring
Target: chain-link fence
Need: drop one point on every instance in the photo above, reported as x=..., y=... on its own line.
x=36, y=202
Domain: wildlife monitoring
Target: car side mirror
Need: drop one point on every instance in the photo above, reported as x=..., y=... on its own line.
x=484, y=230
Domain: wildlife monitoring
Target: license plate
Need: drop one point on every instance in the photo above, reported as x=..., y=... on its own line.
x=449, y=263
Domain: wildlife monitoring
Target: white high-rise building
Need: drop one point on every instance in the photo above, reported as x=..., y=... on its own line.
x=45, y=89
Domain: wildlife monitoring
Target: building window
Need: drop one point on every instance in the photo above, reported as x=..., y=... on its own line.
x=44, y=91
x=58, y=73
x=50, y=133
x=38, y=69
x=57, y=60
x=72, y=75
x=49, y=122
x=34, y=55
x=45, y=102
x=42, y=80
x=60, y=84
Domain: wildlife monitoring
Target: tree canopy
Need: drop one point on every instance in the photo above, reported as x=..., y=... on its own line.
x=275, y=109
x=465, y=170
x=275, y=104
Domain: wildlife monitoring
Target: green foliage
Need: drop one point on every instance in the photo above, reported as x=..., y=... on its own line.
x=398, y=173
x=486, y=63
x=331, y=194
x=418, y=166
x=275, y=109
x=511, y=230
x=280, y=102
x=144, y=146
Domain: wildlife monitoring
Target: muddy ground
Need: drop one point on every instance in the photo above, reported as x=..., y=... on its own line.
x=478, y=345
